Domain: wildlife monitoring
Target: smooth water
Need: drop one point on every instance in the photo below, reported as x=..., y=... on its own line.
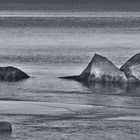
x=50, y=45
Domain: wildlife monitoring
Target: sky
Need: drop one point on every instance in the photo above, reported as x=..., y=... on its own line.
x=71, y=1
x=116, y=5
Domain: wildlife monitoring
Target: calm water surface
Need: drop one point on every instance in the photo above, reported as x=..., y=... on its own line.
x=49, y=45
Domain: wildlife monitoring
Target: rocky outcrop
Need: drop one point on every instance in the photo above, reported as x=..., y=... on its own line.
x=132, y=68
x=100, y=69
x=12, y=74
x=103, y=70
x=5, y=127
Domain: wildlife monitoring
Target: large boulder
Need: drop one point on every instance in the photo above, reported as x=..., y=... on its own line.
x=12, y=74
x=132, y=68
x=5, y=127
x=100, y=69
x=103, y=70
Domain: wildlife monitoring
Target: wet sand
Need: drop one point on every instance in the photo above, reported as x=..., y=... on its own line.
x=55, y=121
x=41, y=108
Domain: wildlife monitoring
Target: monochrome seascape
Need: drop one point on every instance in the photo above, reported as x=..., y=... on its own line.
x=56, y=42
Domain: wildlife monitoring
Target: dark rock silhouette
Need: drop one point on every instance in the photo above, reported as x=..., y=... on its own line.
x=100, y=69
x=132, y=68
x=5, y=127
x=12, y=74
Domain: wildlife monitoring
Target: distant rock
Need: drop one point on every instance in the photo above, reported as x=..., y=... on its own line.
x=132, y=68
x=12, y=74
x=5, y=127
x=100, y=69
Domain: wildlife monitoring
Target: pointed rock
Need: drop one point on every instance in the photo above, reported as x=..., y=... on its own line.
x=103, y=70
x=100, y=69
x=12, y=74
x=132, y=68
x=86, y=73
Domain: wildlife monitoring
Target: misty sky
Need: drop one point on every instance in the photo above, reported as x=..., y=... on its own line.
x=93, y=5
x=71, y=1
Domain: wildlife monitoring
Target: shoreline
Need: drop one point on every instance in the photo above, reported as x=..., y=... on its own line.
x=41, y=108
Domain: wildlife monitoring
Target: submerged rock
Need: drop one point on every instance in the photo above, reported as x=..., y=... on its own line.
x=5, y=127
x=100, y=69
x=132, y=68
x=12, y=74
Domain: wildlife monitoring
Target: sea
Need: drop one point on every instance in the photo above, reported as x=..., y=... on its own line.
x=48, y=44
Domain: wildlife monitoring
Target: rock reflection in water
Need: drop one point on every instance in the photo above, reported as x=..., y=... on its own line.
x=129, y=89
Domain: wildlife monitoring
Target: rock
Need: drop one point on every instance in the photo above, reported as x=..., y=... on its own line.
x=103, y=70
x=12, y=74
x=132, y=61
x=86, y=73
x=100, y=69
x=83, y=76
x=5, y=127
x=132, y=68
